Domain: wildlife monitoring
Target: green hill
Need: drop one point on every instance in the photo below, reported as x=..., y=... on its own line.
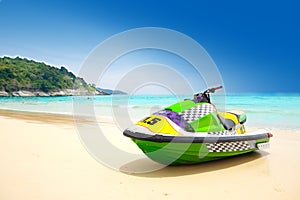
x=21, y=74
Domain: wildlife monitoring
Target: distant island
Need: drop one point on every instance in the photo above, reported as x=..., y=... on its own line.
x=109, y=91
x=23, y=77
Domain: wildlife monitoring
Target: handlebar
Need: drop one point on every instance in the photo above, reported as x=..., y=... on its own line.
x=212, y=90
x=205, y=96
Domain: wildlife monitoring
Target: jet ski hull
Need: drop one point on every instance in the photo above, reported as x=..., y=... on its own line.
x=183, y=150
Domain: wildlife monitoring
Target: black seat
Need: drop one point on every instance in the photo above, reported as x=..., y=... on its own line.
x=227, y=123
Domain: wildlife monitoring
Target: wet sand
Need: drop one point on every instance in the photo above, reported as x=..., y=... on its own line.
x=42, y=157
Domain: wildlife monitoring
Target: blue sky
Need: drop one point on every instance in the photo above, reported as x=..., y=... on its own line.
x=255, y=44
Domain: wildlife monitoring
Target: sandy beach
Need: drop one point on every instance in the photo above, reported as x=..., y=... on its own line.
x=42, y=158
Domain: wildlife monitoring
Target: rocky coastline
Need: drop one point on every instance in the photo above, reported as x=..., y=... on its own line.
x=66, y=92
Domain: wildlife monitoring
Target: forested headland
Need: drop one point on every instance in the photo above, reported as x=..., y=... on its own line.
x=23, y=77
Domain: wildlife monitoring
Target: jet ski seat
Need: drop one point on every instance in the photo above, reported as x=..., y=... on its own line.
x=231, y=118
x=227, y=123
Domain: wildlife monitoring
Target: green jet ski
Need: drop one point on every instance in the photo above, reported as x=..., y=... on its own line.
x=193, y=131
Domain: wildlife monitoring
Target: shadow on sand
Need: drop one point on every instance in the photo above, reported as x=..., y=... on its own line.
x=135, y=168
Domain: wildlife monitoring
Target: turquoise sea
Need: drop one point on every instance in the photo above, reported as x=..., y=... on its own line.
x=263, y=110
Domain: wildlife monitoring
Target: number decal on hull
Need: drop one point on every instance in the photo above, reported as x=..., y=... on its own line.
x=151, y=120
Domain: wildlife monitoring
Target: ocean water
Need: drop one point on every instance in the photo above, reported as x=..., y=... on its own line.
x=263, y=110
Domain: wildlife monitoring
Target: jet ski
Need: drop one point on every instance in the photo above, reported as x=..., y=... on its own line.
x=193, y=131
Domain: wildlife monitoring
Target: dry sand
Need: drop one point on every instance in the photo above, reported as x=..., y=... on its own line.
x=41, y=157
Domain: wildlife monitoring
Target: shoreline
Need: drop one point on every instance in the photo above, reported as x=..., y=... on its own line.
x=37, y=116
x=55, y=118
x=61, y=93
